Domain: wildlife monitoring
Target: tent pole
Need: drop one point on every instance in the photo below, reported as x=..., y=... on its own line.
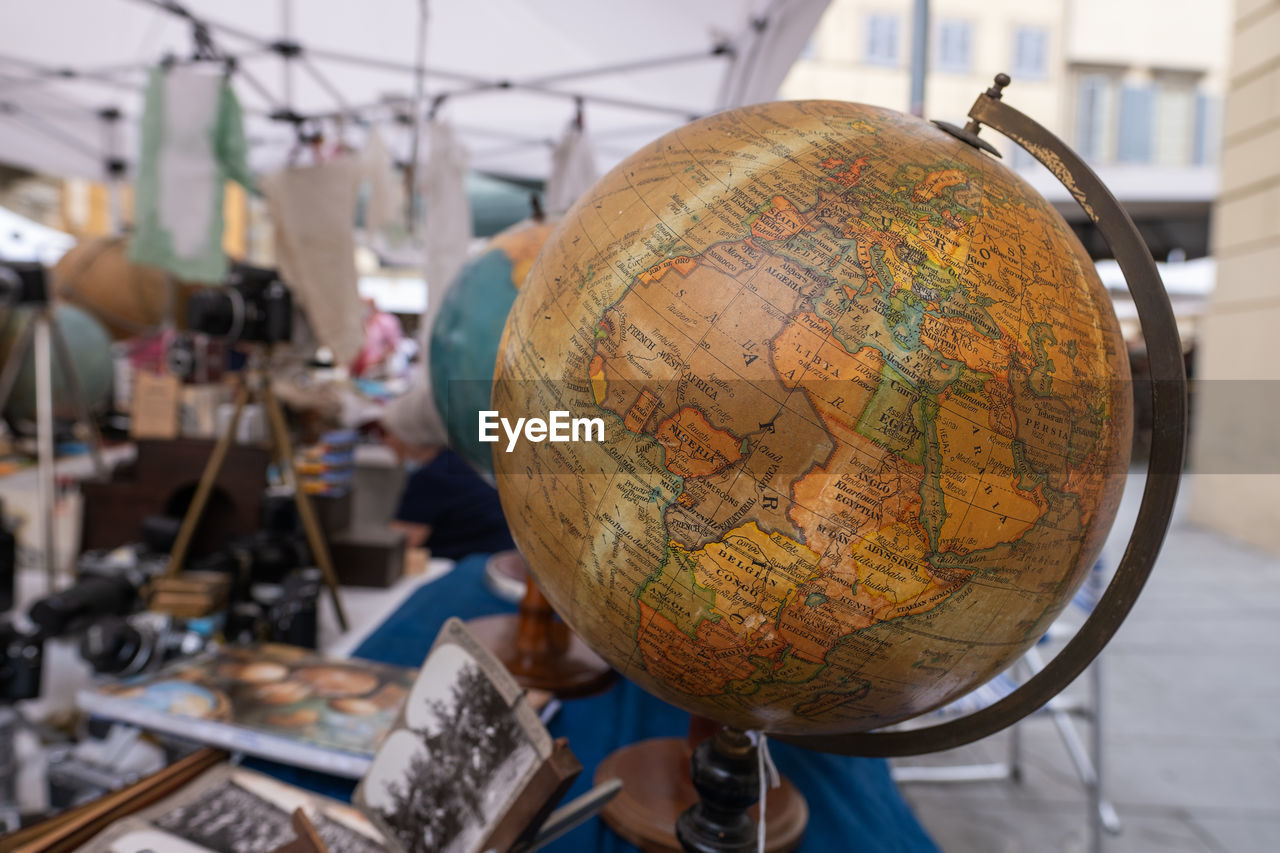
x=720, y=50
x=114, y=166
x=286, y=36
x=419, y=86
x=919, y=54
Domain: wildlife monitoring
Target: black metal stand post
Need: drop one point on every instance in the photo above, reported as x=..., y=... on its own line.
x=726, y=774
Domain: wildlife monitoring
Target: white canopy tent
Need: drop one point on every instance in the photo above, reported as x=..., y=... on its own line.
x=508, y=74
x=24, y=240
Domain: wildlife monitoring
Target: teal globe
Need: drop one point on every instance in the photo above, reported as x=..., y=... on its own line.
x=464, y=338
x=90, y=348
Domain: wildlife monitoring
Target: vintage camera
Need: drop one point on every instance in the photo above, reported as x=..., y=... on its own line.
x=103, y=608
x=23, y=283
x=293, y=616
x=21, y=664
x=110, y=584
x=197, y=358
x=8, y=561
x=117, y=646
x=254, y=307
x=271, y=552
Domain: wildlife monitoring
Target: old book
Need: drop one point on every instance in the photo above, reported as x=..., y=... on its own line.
x=468, y=766
x=233, y=810
x=71, y=829
x=278, y=702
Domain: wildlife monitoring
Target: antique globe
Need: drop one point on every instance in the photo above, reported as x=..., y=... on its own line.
x=867, y=417
x=464, y=337
x=89, y=347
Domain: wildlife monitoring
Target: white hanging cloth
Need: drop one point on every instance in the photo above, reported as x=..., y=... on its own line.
x=385, y=204
x=313, y=209
x=443, y=184
x=573, y=170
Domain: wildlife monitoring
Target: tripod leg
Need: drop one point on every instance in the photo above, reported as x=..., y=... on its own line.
x=44, y=439
x=315, y=539
x=77, y=393
x=210, y=476
x=13, y=363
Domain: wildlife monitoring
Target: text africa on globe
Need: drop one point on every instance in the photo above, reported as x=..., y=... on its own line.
x=867, y=407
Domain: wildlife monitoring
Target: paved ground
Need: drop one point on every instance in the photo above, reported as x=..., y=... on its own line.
x=1192, y=722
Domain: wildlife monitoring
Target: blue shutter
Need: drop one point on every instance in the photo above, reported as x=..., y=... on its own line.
x=1204, y=148
x=1087, y=107
x=882, y=39
x=1030, y=46
x=1133, y=143
x=953, y=45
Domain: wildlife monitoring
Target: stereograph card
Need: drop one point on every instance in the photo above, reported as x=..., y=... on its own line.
x=460, y=770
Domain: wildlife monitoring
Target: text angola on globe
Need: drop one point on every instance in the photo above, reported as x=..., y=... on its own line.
x=557, y=426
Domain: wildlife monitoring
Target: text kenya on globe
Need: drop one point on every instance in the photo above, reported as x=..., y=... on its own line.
x=557, y=426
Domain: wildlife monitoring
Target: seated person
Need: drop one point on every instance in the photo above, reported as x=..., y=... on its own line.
x=445, y=505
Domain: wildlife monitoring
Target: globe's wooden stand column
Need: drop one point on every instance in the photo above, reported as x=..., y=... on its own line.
x=658, y=787
x=539, y=650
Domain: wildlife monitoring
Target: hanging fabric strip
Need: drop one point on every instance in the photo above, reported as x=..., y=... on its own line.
x=192, y=143
x=573, y=170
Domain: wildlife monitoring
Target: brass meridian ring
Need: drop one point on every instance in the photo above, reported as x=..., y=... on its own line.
x=1168, y=391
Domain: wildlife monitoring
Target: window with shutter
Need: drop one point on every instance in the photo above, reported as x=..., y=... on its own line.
x=1094, y=118
x=1030, y=52
x=1133, y=136
x=954, y=45
x=882, y=39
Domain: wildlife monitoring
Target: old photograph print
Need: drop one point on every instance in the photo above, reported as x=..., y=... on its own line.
x=230, y=810
x=441, y=780
x=236, y=818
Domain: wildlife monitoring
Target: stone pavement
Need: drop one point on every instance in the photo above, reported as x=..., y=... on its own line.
x=1191, y=728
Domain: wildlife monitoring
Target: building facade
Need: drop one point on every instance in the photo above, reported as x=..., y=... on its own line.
x=1133, y=85
x=1234, y=455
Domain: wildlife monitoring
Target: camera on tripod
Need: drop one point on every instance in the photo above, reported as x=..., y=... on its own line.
x=254, y=307
x=23, y=283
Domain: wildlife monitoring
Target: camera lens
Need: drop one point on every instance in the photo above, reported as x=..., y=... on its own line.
x=217, y=311
x=95, y=596
x=10, y=287
x=182, y=357
x=22, y=283
x=112, y=645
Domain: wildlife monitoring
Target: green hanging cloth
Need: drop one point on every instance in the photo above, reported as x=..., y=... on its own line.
x=192, y=143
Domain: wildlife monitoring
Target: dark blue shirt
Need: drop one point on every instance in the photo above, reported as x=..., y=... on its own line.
x=462, y=509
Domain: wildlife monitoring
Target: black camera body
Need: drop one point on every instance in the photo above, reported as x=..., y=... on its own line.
x=23, y=283
x=21, y=664
x=254, y=307
x=103, y=588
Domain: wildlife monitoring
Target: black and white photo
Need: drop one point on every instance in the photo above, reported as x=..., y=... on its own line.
x=465, y=747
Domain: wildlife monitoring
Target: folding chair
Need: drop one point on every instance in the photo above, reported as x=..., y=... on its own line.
x=1064, y=710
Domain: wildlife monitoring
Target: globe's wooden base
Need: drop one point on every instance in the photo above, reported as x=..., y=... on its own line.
x=569, y=672
x=538, y=649
x=506, y=575
x=656, y=788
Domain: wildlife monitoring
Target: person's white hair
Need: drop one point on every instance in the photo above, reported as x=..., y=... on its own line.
x=413, y=418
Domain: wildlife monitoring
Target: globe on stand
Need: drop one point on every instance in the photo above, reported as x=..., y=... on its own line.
x=539, y=649
x=867, y=412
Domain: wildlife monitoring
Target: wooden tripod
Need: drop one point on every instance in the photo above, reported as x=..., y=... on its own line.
x=255, y=382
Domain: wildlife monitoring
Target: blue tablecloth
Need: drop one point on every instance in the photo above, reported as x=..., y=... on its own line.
x=853, y=803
